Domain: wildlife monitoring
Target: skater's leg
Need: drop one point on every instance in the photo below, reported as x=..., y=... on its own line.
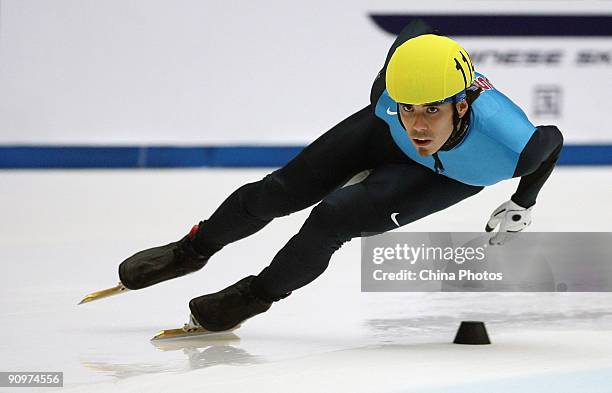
x=411, y=190
x=348, y=148
x=323, y=166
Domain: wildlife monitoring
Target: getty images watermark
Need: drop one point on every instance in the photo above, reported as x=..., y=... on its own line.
x=526, y=262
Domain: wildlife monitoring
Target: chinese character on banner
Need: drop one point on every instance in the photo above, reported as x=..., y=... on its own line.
x=548, y=101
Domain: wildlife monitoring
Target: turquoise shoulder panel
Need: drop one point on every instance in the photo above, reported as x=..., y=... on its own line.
x=498, y=132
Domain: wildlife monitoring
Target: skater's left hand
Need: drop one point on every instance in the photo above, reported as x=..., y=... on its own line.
x=511, y=218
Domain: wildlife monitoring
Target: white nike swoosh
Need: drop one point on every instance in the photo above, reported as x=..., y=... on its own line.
x=389, y=112
x=393, y=215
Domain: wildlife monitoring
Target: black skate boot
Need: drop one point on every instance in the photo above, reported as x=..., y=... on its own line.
x=229, y=307
x=158, y=264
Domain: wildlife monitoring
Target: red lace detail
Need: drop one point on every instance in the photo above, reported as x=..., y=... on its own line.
x=193, y=231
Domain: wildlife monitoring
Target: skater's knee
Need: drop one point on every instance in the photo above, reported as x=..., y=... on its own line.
x=345, y=214
x=271, y=197
x=329, y=218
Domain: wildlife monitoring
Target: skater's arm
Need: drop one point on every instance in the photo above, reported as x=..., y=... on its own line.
x=536, y=163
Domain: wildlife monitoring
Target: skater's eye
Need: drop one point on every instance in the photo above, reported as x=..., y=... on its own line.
x=407, y=108
x=432, y=109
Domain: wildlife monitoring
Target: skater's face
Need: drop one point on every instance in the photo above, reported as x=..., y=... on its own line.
x=429, y=125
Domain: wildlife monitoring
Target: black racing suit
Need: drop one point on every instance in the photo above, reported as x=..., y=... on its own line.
x=396, y=184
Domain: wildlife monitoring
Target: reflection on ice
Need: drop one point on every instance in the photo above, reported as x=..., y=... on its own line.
x=218, y=354
x=121, y=371
x=200, y=353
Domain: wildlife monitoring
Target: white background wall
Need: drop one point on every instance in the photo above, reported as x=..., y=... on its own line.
x=269, y=72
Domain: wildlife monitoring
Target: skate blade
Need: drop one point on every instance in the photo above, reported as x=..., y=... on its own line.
x=191, y=332
x=120, y=288
x=195, y=342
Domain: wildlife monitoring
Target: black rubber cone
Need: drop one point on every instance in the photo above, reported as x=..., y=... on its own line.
x=472, y=333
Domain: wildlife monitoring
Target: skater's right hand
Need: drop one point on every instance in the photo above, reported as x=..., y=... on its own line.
x=511, y=218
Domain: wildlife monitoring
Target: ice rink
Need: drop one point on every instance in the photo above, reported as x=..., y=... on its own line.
x=63, y=234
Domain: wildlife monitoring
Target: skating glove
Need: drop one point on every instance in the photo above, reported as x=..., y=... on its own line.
x=511, y=218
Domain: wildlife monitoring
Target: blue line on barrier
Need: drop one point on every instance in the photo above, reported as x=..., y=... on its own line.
x=30, y=156
x=503, y=25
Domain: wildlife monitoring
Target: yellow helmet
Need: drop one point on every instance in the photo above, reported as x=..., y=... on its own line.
x=429, y=68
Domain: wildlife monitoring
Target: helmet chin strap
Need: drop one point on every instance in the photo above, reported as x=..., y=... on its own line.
x=459, y=130
x=460, y=124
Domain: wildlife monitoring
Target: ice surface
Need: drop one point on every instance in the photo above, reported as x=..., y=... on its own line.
x=63, y=233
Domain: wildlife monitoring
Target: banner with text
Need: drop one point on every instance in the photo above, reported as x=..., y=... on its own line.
x=188, y=72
